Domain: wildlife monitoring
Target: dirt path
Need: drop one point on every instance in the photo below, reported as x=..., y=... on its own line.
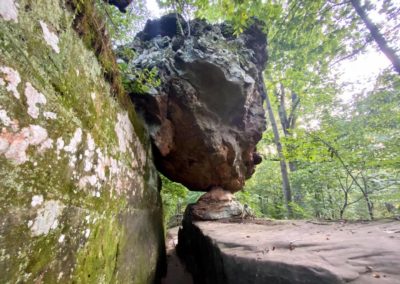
x=176, y=273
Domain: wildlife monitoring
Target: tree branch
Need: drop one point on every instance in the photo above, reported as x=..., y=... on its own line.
x=292, y=116
x=377, y=36
x=354, y=52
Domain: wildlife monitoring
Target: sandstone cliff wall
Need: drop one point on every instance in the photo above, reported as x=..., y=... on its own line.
x=79, y=197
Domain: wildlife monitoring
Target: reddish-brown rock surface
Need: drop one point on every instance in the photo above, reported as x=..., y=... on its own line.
x=206, y=117
x=217, y=204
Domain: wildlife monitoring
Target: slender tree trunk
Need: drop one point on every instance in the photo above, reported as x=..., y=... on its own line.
x=345, y=190
x=377, y=36
x=345, y=203
x=296, y=186
x=370, y=205
x=342, y=211
x=319, y=199
x=262, y=205
x=363, y=189
x=331, y=205
x=288, y=123
x=323, y=203
x=292, y=166
x=284, y=171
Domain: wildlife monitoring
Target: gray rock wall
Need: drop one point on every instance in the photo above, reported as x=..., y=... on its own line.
x=79, y=195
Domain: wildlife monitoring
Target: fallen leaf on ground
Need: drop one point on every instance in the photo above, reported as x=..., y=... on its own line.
x=376, y=275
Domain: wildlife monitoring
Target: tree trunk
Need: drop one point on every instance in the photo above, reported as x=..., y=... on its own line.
x=370, y=206
x=345, y=203
x=331, y=204
x=317, y=209
x=262, y=205
x=296, y=186
x=342, y=211
x=288, y=123
x=284, y=172
x=377, y=36
x=345, y=190
x=292, y=166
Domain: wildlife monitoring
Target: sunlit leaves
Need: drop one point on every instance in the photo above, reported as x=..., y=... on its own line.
x=122, y=27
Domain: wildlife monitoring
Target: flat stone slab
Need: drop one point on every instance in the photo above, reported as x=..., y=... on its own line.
x=295, y=251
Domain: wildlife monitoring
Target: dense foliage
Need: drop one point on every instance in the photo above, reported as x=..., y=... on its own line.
x=347, y=167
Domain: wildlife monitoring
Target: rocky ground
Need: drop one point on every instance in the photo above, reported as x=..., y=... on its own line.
x=176, y=273
x=260, y=251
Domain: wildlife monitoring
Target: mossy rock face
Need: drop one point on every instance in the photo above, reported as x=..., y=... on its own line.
x=79, y=193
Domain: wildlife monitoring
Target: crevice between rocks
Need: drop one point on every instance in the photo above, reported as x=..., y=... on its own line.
x=202, y=258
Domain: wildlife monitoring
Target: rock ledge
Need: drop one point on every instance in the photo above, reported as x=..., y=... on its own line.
x=291, y=252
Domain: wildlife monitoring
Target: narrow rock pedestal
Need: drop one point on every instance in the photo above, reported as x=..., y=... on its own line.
x=217, y=204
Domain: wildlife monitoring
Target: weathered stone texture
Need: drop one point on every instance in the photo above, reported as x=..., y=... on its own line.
x=216, y=204
x=206, y=116
x=291, y=252
x=79, y=195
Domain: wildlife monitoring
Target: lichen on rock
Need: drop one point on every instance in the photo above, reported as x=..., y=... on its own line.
x=50, y=37
x=47, y=218
x=15, y=144
x=33, y=100
x=12, y=78
x=72, y=203
x=8, y=10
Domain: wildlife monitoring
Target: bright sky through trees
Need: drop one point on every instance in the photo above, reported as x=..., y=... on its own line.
x=153, y=8
x=360, y=73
